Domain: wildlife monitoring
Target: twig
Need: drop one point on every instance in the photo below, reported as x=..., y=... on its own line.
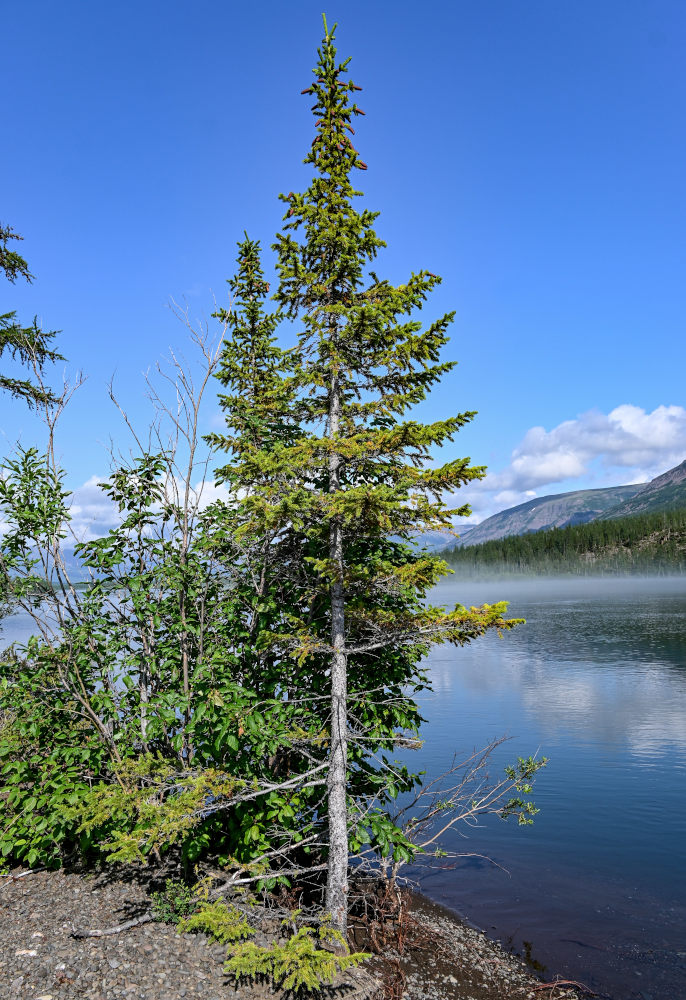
x=15, y=878
x=104, y=931
x=565, y=982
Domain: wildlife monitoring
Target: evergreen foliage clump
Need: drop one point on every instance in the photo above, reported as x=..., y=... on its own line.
x=302, y=963
x=30, y=345
x=220, y=920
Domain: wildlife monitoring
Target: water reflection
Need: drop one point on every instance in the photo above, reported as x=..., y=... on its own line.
x=596, y=680
x=609, y=664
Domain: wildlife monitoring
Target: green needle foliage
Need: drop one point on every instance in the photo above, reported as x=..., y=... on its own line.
x=304, y=962
x=30, y=345
x=258, y=405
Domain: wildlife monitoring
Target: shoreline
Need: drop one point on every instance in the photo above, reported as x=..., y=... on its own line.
x=443, y=958
x=468, y=965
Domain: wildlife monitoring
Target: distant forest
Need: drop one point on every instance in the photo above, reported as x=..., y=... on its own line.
x=645, y=543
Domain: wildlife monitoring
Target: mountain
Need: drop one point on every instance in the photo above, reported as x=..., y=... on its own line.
x=665, y=492
x=434, y=541
x=556, y=511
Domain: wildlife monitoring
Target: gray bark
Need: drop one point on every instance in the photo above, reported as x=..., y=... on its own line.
x=337, y=880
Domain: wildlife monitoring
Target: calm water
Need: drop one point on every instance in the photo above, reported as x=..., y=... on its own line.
x=595, y=890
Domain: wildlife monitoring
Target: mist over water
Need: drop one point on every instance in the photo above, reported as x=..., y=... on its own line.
x=596, y=682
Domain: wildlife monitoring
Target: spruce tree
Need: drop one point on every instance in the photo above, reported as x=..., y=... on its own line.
x=253, y=367
x=29, y=345
x=363, y=475
x=259, y=423
x=330, y=483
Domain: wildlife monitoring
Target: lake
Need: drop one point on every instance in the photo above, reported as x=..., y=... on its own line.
x=595, y=890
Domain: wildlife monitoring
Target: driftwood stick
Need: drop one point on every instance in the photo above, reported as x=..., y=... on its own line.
x=104, y=931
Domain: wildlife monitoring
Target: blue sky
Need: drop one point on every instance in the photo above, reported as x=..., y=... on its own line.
x=532, y=153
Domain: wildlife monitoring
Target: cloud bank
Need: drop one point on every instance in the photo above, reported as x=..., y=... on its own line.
x=627, y=445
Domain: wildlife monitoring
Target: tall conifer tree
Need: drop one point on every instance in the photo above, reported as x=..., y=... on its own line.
x=329, y=484
x=363, y=473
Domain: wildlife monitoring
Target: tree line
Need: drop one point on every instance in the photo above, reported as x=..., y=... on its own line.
x=643, y=543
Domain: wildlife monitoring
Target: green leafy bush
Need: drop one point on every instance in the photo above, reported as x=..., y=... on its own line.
x=176, y=902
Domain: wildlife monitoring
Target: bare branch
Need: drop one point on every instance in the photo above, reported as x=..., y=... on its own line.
x=106, y=931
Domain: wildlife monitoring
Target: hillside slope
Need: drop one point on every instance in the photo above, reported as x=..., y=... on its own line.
x=665, y=492
x=555, y=511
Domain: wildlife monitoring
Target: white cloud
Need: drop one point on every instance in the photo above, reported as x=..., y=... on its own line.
x=92, y=512
x=627, y=438
x=207, y=492
x=627, y=445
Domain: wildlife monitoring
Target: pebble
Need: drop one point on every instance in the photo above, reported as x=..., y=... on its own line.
x=148, y=963
x=457, y=962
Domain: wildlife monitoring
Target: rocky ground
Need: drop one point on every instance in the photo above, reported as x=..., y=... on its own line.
x=40, y=958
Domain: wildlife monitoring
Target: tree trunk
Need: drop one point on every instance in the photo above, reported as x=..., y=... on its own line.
x=144, y=698
x=337, y=881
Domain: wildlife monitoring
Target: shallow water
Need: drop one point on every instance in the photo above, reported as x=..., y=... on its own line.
x=595, y=890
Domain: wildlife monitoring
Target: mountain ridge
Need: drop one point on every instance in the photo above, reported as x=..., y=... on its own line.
x=560, y=510
x=666, y=492
x=557, y=510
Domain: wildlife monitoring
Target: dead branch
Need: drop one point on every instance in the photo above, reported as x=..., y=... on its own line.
x=106, y=931
x=15, y=878
x=565, y=982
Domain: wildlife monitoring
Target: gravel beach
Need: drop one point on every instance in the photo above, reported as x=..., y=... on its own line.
x=41, y=959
